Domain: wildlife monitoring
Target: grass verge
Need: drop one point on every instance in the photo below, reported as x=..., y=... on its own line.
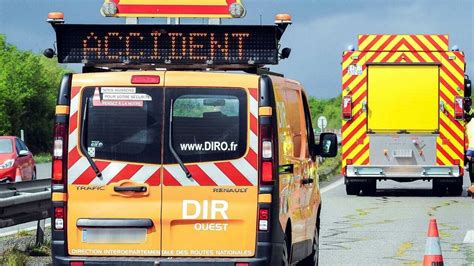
x=41, y=250
x=42, y=158
x=329, y=167
x=13, y=257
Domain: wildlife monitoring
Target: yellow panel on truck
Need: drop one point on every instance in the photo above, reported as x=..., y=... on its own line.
x=403, y=98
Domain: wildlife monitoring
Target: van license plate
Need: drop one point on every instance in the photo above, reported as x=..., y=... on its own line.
x=114, y=235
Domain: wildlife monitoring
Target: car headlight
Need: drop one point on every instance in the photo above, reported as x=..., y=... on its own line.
x=7, y=164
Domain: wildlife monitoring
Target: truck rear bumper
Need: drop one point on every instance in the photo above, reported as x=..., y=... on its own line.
x=403, y=171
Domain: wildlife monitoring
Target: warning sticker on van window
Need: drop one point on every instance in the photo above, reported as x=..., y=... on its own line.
x=126, y=97
x=96, y=100
x=119, y=103
x=91, y=151
x=118, y=90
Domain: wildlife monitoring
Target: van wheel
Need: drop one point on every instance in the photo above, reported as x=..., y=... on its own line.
x=313, y=259
x=352, y=189
x=284, y=256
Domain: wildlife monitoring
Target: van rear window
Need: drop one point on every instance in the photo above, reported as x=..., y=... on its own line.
x=209, y=124
x=124, y=124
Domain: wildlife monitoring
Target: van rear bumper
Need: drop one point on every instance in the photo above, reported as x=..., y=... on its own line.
x=268, y=253
x=403, y=171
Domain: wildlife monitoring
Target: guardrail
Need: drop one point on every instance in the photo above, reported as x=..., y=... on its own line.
x=24, y=202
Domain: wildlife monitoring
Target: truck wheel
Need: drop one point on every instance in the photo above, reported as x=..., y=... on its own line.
x=352, y=189
x=439, y=189
x=455, y=189
x=370, y=188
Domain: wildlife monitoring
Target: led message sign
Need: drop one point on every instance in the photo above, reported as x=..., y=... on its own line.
x=167, y=44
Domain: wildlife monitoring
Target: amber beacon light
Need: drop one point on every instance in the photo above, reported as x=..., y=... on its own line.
x=55, y=17
x=283, y=19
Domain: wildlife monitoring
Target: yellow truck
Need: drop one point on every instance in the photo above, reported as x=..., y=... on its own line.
x=403, y=105
x=167, y=152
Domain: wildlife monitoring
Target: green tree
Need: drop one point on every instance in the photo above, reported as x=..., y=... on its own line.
x=330, y=108
x=28, y=91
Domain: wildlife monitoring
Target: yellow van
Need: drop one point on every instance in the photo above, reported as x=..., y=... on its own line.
x=162, y=165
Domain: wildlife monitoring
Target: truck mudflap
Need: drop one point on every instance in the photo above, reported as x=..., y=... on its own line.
x=403, y=171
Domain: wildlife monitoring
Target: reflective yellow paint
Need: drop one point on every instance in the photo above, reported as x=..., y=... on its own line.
x=62, y=110
x=56, y=196
x=403, y=97
x=265, y=198
x=265, y=111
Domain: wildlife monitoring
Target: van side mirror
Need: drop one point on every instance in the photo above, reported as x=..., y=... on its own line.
x=327, y=146
x=467, y=87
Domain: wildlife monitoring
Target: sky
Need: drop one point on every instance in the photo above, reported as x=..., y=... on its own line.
x=321, y=30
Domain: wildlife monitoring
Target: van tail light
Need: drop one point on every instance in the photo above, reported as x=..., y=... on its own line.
x=145, y=79
x=76, y=263
x=59, y=218
x=59, y=152
x=263, y=217
x=459, y=107
x=347, y=107
x=266, y=148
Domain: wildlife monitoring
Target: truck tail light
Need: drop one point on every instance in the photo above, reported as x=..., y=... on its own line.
x=59, y=150
x=266, y=148
x=459, y=107
x=263, y=217
x=347, y=107
x=59, y=218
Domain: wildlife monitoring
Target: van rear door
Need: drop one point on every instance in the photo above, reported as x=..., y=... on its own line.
x=212, y=128
x=120, y=127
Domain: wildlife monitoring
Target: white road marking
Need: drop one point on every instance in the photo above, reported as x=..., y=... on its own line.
x=469, y=238
x=332, y=186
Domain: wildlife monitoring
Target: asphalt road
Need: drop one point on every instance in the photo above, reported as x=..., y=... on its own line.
x=387, y=229
x=390, y=228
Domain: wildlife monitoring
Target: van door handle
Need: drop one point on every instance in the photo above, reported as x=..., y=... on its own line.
x=307, y=181
x=130, y=189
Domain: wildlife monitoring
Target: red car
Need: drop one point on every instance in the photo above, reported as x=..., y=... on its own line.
x=16, y=161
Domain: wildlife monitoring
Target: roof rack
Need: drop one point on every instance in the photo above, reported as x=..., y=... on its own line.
x=245, y=68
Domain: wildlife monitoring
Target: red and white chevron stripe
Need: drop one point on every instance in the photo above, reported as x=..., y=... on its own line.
x=239, y=172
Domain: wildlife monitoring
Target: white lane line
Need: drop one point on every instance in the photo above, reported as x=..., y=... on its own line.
x=14, y=232
x=469, y=238
x=332, y=186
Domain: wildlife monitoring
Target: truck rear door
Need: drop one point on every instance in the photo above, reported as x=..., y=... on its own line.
x=212, y=129
x=120, y=127
x=403, y=98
